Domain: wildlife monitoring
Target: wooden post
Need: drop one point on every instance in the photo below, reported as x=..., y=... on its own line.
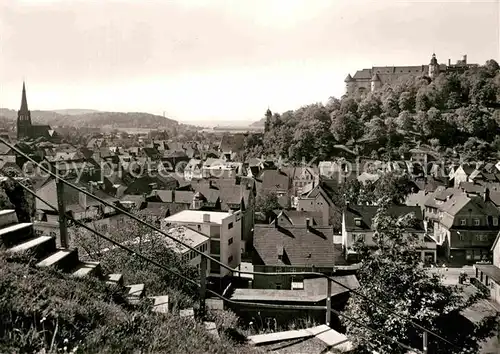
x=203, y=284
x=425, y=342
x=63, y=225
x=328, y=302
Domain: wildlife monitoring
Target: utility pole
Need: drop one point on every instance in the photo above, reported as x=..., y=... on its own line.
x=63, y=224
x=425, y=342
x=328, y=302
x=203, y=285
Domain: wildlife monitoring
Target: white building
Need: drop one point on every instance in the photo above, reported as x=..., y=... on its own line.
x=192, y=238
x=222, y=228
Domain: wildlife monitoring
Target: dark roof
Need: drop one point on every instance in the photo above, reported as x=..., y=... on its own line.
x=348, y=78
x=298, y=218
x=274, y=179
x=234, y=143
x=366, y=213
x=300, y=247
x=172, y=196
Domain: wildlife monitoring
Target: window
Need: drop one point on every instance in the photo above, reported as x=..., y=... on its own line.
x=476, y=222
x=463, y=222
x=230, y=241
x=461, y=237
x=230, y=226
x=278, y=286
x=293, y=270
x=468, y=254
x=278, y=269
x=199, y=227
x=495, y=221
x=357, y=221
x=230, y=259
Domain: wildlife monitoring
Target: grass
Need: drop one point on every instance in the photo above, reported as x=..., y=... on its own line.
x=47, y=311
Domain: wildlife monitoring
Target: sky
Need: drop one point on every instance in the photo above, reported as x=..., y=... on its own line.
x=222, y=60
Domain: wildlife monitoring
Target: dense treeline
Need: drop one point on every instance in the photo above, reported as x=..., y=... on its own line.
x=453, y=114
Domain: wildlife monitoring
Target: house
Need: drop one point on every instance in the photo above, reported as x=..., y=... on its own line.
x=489, y=274
x=231, y=145
x=297, y=248
x=193, y=239
x=145, y=184
x=275, y=181
x=301, y=178
x=462, y=173
x=357, y=227
x=466, y=226
x=176, y=201
x=299, y=218
x=193, y=170
x=318, y=200
x=222, y=228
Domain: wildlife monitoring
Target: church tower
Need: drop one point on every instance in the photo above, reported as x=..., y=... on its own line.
x=433, y=67
x=23, y=118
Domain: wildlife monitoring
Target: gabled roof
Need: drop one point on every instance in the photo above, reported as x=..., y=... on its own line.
x=274, y=179
x=366, y=213
x=301, y=247
x=348, y=78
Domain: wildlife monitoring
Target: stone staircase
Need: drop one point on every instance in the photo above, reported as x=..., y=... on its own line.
x=19, y=237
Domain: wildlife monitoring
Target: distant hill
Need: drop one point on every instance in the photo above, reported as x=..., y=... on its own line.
x=259, y=123
x=70, y=112
x=89, y=118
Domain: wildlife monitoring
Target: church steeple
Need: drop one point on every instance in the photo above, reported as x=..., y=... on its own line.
x=24, y=117
x=24, y=101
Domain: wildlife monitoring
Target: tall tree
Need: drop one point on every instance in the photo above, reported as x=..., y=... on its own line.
x=392, y=274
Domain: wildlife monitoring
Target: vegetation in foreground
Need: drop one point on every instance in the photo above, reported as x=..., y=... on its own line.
x=46, y=311
x=393, y=274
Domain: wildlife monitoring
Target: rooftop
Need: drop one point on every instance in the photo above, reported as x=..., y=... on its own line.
x=196, y=216
x=186, y=235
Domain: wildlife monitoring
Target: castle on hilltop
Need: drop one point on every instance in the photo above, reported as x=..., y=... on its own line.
x=373, y=79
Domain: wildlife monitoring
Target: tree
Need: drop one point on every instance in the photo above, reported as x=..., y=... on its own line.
x=393, y=185
x=406, y=102
x=346, y=126
x=267, y=203
x=405, y=121
x=267, y=122
x=392, y=274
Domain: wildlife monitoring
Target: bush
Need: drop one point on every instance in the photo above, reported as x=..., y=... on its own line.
x=43, y=310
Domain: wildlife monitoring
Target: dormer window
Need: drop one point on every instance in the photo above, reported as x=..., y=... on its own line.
x=477, y=222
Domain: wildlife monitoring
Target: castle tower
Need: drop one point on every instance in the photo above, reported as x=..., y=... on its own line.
x=375, y=83
x=23, y=117
x=349, y=84
x=433, y=67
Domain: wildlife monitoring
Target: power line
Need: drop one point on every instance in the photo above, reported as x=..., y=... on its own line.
x=208, y=257
x=252, y=304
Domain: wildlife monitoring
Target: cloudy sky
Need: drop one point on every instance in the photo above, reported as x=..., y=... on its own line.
x=222, y=60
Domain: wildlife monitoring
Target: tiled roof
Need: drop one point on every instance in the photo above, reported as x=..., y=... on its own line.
x=171, y=196
x=298, y=218
x=274, y=179
x=366, y=213
x=301, y=246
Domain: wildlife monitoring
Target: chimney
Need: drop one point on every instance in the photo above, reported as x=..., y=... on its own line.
x=308, y=224
x=210, y=183
x=82, y=199
x=173, y=196
x=276, y=225
x=206, y=218
x=465, y=59
x=449, y=62
x=486, y=194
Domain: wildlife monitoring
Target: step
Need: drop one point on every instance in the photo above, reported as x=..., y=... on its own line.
x=187, y=313
x=211, y=328
x=38, y=247
x=114, y=279
x=134, y=293
x=160, y=303
x=16, y=233
x=8, y=217
x=63, y=259
x=85, y=269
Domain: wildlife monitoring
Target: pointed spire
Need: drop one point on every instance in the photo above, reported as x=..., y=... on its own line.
x=24, y=101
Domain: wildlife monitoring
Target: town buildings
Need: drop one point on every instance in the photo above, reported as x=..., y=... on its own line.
x=222, y=228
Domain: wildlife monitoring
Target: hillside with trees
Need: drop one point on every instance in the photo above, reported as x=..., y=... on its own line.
x=84, y=118
x=454, y=114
